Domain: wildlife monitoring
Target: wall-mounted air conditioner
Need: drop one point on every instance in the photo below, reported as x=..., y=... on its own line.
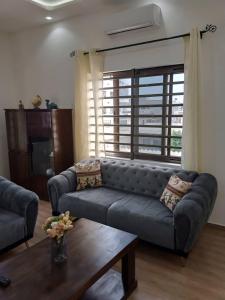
x=134, y=19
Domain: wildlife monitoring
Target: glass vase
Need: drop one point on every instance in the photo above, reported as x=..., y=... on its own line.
x=59, y=250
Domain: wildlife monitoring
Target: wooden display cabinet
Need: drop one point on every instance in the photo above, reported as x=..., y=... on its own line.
x=40, y=144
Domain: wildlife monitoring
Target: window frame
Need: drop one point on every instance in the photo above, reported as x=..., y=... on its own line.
x=167, y=109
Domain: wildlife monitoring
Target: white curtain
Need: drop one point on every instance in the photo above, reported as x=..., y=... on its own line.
x=88, y=137
x=191, y=125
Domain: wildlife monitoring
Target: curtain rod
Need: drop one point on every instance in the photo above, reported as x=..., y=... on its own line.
x=208, y=28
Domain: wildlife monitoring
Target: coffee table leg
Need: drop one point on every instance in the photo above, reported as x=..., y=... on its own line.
x=128, y=273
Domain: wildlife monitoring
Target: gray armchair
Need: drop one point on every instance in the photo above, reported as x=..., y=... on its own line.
x=18, y=214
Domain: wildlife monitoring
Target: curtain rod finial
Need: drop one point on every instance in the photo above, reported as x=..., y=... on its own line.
x=210, y=28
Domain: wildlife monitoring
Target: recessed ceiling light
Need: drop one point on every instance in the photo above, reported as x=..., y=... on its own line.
x=52, y=4
x=49, y=18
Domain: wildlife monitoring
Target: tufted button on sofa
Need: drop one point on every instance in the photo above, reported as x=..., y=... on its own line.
x=129, y=200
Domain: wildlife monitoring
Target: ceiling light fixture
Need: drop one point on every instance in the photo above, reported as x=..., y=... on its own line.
x=52, y=4
x=49, y=18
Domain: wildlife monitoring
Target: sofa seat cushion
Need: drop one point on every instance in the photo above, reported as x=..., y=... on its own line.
x=12, y=228
x=144, y=216
x=91, y=203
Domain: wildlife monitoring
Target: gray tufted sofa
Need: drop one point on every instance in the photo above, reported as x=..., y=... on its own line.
x=129, y=200
x=18, y=214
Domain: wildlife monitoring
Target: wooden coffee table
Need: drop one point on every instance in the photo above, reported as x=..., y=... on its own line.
x=93, y=249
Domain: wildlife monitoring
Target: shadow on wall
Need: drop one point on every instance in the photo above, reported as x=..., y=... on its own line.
x=4, y=162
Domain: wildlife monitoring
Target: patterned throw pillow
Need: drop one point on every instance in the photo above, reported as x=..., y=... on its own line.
x=88, y=174
x=174, y=191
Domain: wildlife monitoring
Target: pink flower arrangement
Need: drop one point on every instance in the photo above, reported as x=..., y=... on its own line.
x=57, y=226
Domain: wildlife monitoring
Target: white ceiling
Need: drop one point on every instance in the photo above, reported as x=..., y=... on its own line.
x=17, y=15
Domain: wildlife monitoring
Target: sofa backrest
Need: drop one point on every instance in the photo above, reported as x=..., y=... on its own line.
x=135, y=177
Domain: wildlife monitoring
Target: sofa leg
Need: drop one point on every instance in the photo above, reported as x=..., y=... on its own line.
x=27, y=245
x=182, y=257
x=183, y=261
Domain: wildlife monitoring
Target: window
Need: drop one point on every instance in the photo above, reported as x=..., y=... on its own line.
x=143, y=113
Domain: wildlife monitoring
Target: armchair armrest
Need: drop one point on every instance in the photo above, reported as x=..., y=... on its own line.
x=20, y=201
x=193, y=211
x=60, y=184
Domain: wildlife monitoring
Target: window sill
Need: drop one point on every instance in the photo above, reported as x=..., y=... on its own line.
x=160, y=164
x=151, y=162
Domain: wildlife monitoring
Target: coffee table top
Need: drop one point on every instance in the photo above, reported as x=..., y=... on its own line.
x=92, y=250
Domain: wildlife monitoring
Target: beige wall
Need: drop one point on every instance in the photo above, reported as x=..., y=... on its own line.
x=7, y=97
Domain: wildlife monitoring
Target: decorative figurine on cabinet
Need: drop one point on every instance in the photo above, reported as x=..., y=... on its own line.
x=37, y=102
x=21, y=106
x=51, y=105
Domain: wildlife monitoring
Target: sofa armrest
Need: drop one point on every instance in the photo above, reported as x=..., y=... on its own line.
x=20, y=201
x=61, y=184
x=193, y=211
